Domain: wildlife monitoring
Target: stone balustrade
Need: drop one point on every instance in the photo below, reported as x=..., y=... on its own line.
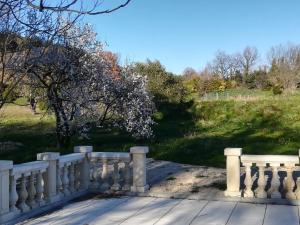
x=264, y=176
x=30, y=192
x=68, y=174
x=119, y=165
x=24, y=188
x=31, y=188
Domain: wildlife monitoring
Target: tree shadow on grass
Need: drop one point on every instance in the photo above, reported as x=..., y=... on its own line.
x=263, y=133
x=178, y=137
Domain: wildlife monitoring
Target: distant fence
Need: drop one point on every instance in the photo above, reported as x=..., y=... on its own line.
x=238, y=95
x=245, y=96
x=216, y=96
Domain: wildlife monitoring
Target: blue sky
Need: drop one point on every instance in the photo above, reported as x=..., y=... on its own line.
x=187, y=33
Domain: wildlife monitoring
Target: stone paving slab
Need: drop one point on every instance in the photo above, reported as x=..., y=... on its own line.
x=183, y=213
x=247, y=214
x=153, y=212
x=123, y=211
x=163, y=211
x=281, y=214
x=215, y=213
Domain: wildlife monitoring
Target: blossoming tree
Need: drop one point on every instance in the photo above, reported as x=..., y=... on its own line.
x=83, y=89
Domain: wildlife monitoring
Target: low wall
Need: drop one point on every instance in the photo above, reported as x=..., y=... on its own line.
x=31, y=188
x=264, y=176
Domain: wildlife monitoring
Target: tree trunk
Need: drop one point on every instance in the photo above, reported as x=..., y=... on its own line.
x=63, y=132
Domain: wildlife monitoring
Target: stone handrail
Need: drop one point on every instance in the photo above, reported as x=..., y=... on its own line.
x=28, y=168
x=262, y=176
x=110, y=155
x=71, y=158
x=31, y=188
x=264, y=159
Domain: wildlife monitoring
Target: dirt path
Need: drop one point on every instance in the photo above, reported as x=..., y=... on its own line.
x=180, y=179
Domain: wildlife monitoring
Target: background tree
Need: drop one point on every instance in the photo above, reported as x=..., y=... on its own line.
x=73, y=9
x=224, y=65
x=285, y=66
x=247, y=60
x=14, y=51
x=192, y=81
x=258, y=79
x=189, y=72
x=163, y=85
x=83, y=88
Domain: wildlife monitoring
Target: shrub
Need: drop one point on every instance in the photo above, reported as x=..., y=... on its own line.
x=43, y=105
x=277, y=90
x=21, y=101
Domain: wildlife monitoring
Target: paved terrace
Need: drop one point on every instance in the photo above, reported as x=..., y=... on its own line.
x=149, y=210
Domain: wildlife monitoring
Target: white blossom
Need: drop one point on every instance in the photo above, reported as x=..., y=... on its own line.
x=83, y=91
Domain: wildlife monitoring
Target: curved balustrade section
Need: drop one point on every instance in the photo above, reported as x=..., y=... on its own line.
x=265, y=176
x=31, y=188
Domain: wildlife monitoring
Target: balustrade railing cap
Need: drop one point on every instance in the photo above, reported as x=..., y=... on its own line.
x=281, y=159
x=83, y=149
x=48, y=156
x=5, y=165
x=139, y=150
x=29, y=167
x=110, y=155
x=233, y=151
x=71, y=157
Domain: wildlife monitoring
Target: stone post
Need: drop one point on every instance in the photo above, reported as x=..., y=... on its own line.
x=85, y=166
x=233, y=171
x=50, y=175
x=139, y=168
x=5, y=166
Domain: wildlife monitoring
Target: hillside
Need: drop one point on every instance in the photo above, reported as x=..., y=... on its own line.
x=194, y=132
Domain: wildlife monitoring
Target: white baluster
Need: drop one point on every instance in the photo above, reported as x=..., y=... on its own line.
x=23, y=196
x=40, y=189
x=66, y=181
x=297, y=191
x=77, y=176
x=31, y=192
x=275, y=183
x=126, y=186
x=95, y=174
x=116, y=176
x=104, y=175
x=260, y=190
x=72, y=178
x=289, y=182
x=248, y=193
x=13, y=194
x=59, y=185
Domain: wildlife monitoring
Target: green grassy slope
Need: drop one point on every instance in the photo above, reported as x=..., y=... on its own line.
x=194, y=133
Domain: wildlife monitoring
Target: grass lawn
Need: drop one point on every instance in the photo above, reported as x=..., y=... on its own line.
x=194, y=133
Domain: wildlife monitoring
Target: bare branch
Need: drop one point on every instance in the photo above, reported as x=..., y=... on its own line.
x=67, y=8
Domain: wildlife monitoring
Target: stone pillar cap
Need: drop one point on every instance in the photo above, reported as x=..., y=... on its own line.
x=233, y=151
x=139, y=150
x=83, y=149
x=5, y=165
x=48, y=156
